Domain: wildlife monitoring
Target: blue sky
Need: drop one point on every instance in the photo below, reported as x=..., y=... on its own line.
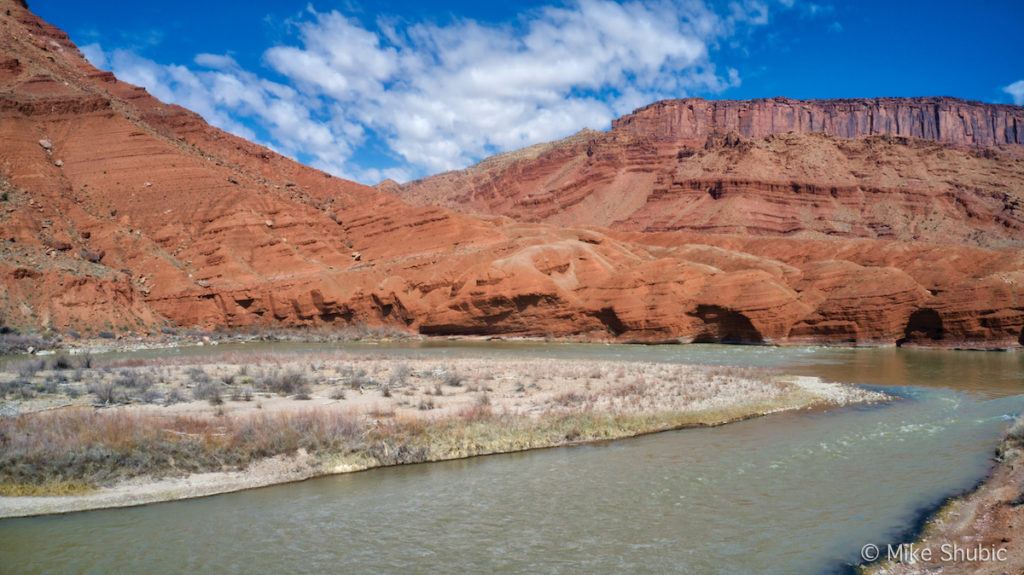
x=402, y=89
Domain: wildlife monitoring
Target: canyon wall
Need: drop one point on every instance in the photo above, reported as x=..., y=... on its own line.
x=790, y=185
x=122, y=213
x=946, y=120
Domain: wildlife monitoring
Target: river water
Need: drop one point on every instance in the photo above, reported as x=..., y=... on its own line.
x=789, y=493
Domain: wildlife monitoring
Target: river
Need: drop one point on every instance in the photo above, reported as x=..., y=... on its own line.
x=789, y=493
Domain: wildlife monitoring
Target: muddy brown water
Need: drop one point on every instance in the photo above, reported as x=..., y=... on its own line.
x=789, y=493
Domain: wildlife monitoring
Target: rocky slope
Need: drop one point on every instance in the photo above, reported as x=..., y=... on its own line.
x=734, y=167
x=119, y=212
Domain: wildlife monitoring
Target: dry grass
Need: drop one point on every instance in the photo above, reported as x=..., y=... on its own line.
x=60, y=452
x=97, y=447
x=45, y=489
x=179, y=416
x=45, y=452
x=12, y=342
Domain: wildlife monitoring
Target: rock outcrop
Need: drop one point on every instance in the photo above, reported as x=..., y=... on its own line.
x=120, y=212
x=845, y=199
x=653, y=172
x=945, y=120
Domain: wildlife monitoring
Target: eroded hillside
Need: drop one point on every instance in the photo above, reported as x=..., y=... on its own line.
x=120, y=212
x=655, y=172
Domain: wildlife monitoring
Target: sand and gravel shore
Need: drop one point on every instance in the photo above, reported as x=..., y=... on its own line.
x=979, y=533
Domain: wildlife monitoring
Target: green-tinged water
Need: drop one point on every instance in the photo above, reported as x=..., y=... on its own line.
x=791, y=493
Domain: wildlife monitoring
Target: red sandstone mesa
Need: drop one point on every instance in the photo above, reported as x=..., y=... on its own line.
x=945, y=120
x=690, y=220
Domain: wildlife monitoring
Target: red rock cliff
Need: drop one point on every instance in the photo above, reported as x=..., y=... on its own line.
x=946, y=120
x=119, y=212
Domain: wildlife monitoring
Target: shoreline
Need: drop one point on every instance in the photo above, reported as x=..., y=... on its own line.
x=130, y=344
x=567, y=407
x=989, y=516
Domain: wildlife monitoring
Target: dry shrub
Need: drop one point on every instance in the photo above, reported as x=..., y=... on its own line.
x=61, y=361
x=357, y=378
x=175, y=395
x=29, y=368
x=134, y=379
x=399, y=375
x=209, y=391
x=244, y=393
x=476, y=412
x=452, y=378
x=12, y=342
x=107, y=393
x=570, y=399
x=284, y=382
x=102, y=446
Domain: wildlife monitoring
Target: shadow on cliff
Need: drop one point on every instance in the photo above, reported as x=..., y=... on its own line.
x=722, y=325
x=924, y=325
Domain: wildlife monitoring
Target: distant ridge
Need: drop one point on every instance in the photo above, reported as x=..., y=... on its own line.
x=941, y=119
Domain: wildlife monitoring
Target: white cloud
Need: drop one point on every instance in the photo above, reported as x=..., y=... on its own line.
x=95, y=55
x=442, y=96
x=216, y=61
x=226, y=95
x=1016, y=91
x=340, y=59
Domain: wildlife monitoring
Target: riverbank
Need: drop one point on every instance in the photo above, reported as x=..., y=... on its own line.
x=175, y=428
x=13, y=345
x=980, y=533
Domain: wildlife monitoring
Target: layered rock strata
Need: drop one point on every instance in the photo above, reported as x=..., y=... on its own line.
x=120, y=212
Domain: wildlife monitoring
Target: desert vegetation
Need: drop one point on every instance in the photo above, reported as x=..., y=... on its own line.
x=11, y=341
x=72, y=423
x=17, y=341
